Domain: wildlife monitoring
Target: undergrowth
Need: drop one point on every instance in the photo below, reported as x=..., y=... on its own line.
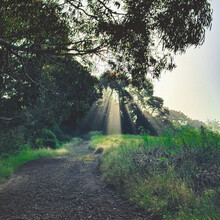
x=175, y=176
x=12, y=162
x=47, y=145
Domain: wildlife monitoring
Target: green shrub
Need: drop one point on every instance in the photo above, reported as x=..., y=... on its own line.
x=48, y=139
x=76, y=141
x=11, y=141
x=59, y=134
x=188, y=137
x=48, y=134
x=12, y=162
x=176, y=176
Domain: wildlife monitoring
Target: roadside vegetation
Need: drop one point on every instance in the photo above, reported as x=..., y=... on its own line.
x=49, y=94
x=47, y=146
x=10, y=163
x=174, y=176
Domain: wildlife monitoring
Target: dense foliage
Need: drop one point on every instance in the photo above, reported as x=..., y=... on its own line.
x=138, y=109
x=174, y=176
x=137, y=38
x=48, y=49
x=44, y=45
x=59, y=99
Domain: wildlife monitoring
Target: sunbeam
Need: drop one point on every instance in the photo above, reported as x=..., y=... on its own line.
x=119, y=111
x=114, y=119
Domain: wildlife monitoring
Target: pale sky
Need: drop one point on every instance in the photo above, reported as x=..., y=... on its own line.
x=194, y=86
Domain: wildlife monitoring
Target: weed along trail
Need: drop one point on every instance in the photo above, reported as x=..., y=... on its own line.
x=65, y=187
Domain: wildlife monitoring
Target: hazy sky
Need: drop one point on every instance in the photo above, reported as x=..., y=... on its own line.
x=194, y=86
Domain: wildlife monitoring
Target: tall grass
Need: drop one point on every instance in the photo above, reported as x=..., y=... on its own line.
x=175, y=176
x=12, y=162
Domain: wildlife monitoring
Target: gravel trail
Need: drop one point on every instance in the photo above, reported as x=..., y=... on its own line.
x=65, y=187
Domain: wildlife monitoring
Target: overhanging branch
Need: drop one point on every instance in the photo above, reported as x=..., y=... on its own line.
x=56, y=51
x=8, y=45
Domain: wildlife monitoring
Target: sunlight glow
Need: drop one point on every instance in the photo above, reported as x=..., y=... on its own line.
x=119, y=112
x=101, y=112
x=104, y=115
x=114, y=118
x=62, y=151
x=130, y=118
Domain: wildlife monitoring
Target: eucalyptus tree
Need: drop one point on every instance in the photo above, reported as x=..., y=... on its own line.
x=138, y=39
x=141, y=35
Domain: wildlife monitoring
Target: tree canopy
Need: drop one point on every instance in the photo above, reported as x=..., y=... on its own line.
x=48, y=49
x=136, y=37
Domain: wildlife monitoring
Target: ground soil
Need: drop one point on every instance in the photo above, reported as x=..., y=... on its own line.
x=65, y=187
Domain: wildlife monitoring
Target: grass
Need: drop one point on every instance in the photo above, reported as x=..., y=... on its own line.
x=105, y=142
x=12, y=162
x=175, y=176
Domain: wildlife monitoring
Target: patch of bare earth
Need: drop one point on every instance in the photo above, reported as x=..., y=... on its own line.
x=66, y=187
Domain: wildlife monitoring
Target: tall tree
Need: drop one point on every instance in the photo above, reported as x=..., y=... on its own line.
x=135, y=37
x=140, y=36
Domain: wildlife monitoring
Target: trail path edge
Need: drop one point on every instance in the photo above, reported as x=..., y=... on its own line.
x=64, y=187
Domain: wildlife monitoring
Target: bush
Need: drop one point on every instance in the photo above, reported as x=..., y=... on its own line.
x=12, y=162
x=187, y=137
x=176, y=176
x=59, y=134
x=48, y=139
x=76, y=141
x=11, y=141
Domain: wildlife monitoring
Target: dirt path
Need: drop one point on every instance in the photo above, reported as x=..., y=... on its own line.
x=67, y=187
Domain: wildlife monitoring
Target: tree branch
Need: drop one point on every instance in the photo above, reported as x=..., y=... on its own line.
x=30, y=78
x=109, y=9
x=35, y=50
x=81, y=9
x=8, y=45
